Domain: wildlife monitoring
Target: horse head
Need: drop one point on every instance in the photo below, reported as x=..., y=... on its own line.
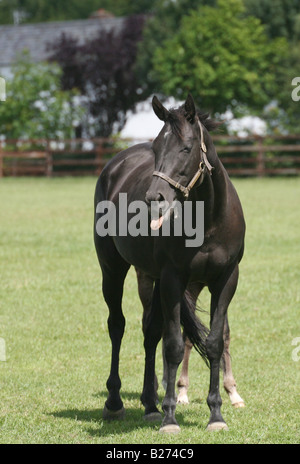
x=180, y=155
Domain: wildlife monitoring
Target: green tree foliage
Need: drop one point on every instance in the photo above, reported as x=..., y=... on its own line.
x=281, y=17
x=58, y=10
x=127, y=7
x=163, y=24
x=232, y=53
x=224, y=58
x=35, y=107
x=283, y=113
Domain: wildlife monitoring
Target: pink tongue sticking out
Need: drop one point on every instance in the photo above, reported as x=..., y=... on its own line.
x=156, y=223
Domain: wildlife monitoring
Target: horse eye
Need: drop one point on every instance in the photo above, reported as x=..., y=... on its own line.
x=186, y=150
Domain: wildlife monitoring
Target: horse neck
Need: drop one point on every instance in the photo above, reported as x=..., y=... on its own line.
x=213, y=190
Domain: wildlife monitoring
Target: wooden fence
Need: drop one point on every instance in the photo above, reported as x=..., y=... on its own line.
x=249, y=156
x=259, y=156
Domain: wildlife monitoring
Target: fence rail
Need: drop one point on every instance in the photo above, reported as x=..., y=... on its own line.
x=249, y=156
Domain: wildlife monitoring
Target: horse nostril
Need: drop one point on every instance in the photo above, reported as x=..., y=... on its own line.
x=153, y=196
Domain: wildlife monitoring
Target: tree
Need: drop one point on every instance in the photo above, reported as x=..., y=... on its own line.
x=223, y=57
x=56, y=10
x=160, y=26
x=35, y=107
x=128, y=7
x=103, y=71
x=283, y=113
x=281, y=17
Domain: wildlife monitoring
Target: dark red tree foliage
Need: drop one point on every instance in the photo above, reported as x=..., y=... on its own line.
x=103, y=70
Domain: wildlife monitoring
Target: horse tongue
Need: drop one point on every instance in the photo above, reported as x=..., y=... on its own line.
x=156, y=223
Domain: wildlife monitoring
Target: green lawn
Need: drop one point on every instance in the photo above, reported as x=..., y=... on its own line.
x=53, y=321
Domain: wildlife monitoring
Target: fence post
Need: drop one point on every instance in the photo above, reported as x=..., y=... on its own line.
x=260, y=168
x=99, y=156
x=1, y=160
x=49, y=160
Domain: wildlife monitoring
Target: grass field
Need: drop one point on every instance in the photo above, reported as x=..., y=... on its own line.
x=53, y=322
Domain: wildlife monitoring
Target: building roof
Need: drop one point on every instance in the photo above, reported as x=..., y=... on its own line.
x=36, y=37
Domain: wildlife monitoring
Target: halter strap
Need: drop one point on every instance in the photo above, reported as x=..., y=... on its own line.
x=204, y=149
x=177, y=185
x=204, y=163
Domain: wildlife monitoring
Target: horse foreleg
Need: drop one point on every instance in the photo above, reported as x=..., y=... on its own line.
x=222, y=292
x=165, y=368
x=172, y=290
x=228, y=379
x=152, y=328
x=112, y=292
x=183, y=382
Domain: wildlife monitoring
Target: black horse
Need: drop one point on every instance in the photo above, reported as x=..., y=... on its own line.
x=181, y=164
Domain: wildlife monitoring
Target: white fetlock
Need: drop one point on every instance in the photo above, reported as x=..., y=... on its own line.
x=236, y=400
x=182, y=397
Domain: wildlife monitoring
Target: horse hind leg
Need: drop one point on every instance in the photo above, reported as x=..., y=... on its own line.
x=183, y=381
x=228, y=379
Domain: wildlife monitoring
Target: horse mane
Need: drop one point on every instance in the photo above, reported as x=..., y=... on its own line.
x=209, y=123
x=178, y=115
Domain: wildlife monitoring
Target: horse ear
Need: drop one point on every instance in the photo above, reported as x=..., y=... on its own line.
x=190, y=109
x=159, y=109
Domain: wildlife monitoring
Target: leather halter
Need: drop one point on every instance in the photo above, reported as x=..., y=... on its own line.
x=204, y=163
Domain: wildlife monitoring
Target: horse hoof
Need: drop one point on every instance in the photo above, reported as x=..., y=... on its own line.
x=240, y=404
x=170, y=428
x=182, y=399
x=153, y=416
x=113, y=415
x=217, y=426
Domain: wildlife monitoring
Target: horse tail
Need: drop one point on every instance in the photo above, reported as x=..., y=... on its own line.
x=194, y=329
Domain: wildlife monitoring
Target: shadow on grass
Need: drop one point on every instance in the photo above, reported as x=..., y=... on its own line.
x=125, y=395
x=133, y=420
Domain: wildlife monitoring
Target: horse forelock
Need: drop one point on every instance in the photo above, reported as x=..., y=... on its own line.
x=177, y=118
